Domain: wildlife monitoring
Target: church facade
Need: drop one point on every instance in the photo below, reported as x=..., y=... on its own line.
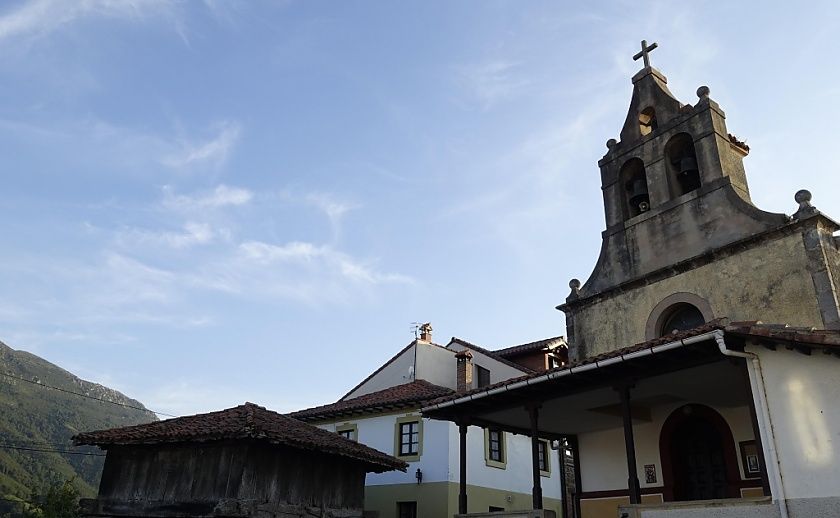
x=704, y=347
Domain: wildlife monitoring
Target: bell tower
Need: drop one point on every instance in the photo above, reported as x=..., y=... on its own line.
x=675, y=199
x=667, y=150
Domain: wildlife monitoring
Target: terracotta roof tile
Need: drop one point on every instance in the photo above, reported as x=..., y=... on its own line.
x=413, y=394
x=516, y=350
x=248, y=421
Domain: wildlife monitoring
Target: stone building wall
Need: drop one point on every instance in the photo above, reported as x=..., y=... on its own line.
x=771, y=282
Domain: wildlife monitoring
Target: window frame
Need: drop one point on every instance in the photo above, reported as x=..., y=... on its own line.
x=479, y=373
x=502, y=442
x=398, y=435
x=546, y=457
x=348, y=428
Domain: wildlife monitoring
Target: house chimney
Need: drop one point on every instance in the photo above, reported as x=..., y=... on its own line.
x=464, y=374
x=426, y=333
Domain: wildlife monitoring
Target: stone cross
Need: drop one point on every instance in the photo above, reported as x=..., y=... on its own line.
x=644, y=53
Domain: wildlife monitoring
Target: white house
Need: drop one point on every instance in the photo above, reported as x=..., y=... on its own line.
x=383, y=412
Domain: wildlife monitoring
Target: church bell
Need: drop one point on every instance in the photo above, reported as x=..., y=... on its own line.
x=688, y=166
x=639, y=200
x=688, y=175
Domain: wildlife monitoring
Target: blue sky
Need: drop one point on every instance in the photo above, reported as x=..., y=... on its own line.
x=211, y=202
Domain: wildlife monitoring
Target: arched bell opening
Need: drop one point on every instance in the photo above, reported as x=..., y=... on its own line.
x=647, y=121
x=635, y=188
x=681, y=159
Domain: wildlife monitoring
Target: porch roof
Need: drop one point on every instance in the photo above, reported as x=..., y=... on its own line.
x=687, y=366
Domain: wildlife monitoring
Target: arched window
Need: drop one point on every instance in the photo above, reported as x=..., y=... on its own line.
x=647, y=120
x=680, y=317
x=682, y=164
x=634, y=180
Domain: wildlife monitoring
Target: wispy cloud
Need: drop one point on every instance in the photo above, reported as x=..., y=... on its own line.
x=213, y=152
x=40, y=17
x=334, y=260
x=334, y=208
x=492, y=82
x=192, y=234
x=221, y=196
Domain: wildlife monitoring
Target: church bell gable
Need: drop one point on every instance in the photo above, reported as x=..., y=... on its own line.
x=680, y=223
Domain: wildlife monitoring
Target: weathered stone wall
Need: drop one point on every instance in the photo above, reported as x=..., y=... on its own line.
x=770, y=282
x=691, y=225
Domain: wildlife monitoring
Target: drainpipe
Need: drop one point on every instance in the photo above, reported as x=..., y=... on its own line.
x=764, y=422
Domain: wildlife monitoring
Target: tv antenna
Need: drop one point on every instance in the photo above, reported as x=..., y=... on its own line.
x=415, y=326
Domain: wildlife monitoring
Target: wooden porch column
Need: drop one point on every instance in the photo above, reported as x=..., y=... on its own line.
x=564, y=511
x=462, y=443
x=575, y=447
x=536, y=493
x=629, y=445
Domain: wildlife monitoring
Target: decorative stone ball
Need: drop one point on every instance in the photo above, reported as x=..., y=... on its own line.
x=703, y=92
x=802, y=196
x=574, y=284
x=611, y=143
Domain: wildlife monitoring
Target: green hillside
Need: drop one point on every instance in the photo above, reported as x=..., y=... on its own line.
x=40, y=418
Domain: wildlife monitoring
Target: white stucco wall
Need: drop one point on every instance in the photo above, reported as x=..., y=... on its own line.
x=440, y=462
x=379, y=432
x=437, y=365
x=802, y=396
x=603, y=460
x=515, y=477
x=397, y=372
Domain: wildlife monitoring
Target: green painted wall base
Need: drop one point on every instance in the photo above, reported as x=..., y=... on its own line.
x=440, y=499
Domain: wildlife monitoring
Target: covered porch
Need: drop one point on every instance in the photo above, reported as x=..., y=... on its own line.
x=663, y=427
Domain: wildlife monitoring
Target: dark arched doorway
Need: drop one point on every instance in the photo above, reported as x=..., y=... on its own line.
x=698, y=455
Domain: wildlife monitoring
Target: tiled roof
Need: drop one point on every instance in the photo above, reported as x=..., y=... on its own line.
x=798, y=337
x=827, y=338
x=248, y=421
x=539, y=345
x=491, y=354
x=738, y=142
x=413, y=394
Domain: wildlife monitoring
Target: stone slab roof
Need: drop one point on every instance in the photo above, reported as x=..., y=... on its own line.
x=244, y=422
x=407, y=395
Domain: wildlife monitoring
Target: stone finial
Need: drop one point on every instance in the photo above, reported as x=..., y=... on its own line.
x=803, y=198
x=611, y=143
x=574, y=284
x=703, y=92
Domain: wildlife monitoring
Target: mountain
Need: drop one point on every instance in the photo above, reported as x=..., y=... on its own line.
x=35, y=417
